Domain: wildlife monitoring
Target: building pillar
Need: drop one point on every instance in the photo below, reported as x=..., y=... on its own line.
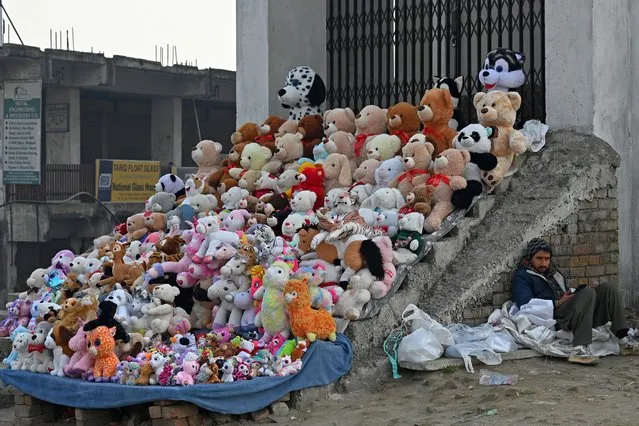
x=589, y=88
x=62, y=124
x=166, y=130
x=273, y=37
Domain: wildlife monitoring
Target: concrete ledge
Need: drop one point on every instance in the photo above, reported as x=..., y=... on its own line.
x=442, y=363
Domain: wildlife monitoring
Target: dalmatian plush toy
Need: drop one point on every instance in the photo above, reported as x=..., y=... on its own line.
x=303, y=93
x=502, y=71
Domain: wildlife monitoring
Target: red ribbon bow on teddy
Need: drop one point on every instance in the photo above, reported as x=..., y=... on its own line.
x=410, y=174
x=405, y=137
x=360, y=140
x=35, y=348
x=434, y=133
x=356, y=184
x=435, y=180
x=265, y=138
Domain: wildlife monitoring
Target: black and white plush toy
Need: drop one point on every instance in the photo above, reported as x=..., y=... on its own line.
x=454, y=87
x=303, y=93
x=475, y=139
x=171, y=184
x=503, y=70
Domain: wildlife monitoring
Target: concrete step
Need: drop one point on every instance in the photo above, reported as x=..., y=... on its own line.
x=6, y=416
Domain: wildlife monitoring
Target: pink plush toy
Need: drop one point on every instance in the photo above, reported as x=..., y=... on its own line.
x=81, y=361
x=189, y=370
x=276, y=343
x=236, y=220
x=224, y=334
x=379, y=289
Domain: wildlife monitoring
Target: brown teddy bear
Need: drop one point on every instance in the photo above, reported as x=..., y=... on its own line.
x=221, y=181
x=312, y=128
x=289, y=149
x=136, y=227
x=235, y=154
x=267, y=131
x=499, y=109
x=248, y=179
x=339, y=119
x=448, y=177
x=417, y=159
x=246, y=133
x=419, y=200
x=289, y=126
x=435, y=112
x=206, y=155
x=156, y=222
x=370, y=122
x=402, y=120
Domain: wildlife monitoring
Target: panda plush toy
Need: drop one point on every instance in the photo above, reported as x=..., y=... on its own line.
x=475, y=139
x=172, y=184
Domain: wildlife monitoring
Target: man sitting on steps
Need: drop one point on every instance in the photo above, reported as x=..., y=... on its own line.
x=577, y=310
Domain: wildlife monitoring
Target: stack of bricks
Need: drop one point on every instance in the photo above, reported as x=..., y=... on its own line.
x=172, y=413
x=92, y=417
x=585, y=249
x=28, y=410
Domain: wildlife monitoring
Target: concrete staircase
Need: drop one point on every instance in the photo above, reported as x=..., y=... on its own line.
x=460, y=271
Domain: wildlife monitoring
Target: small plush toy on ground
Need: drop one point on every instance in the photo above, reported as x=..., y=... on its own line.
x=306, y=322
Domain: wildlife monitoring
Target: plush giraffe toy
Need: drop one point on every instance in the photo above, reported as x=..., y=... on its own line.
x=101, y=346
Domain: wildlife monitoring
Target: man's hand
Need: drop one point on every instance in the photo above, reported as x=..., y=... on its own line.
x=566, y=297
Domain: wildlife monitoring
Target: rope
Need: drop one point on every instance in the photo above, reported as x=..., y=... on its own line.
x=395, y=336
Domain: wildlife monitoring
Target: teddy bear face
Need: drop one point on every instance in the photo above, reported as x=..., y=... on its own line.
x=436, y=107
x=311, y=176
x=474, y=138
x=312, y=127
x=202, y=203
x=286, y=180
x=135, y=222
x=246, y=133
x=206, y=153
x=497, y=108
x=254, y=156
x=166, y=293
x=417, y=155
x=402, y=117
x=341, y=142
x=292, y=224
x=419, y=194
x=289, y=147
x=233, y=196
x=271, y=125
x=249, y=180
x=384, y=147
x=303, y=201
x=289, y=126
x=451, y=162
x=366, y=171
x=339, y=119
x=38, y=278
x=412, y=222
x=371, y=120
x=235, y=154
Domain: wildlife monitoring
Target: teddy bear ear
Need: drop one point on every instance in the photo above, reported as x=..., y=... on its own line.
x=267, y=152
x=430, y=147
x=349, y=113
x=448, y=100
x=477, y=98
x=300, y=132
x=385, y=111
x=218, y=147
x=326, y=114
x=466, y=155
x=515, y=99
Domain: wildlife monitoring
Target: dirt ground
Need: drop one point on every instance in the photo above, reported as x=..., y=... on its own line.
x=549, y=391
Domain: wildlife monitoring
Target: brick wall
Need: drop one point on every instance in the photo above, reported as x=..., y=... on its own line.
x=586, y=251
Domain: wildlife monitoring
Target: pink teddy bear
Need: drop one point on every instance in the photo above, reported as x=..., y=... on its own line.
x=236, y=220
x=186, y=376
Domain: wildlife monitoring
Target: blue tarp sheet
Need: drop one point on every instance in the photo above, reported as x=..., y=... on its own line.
x=324, y=363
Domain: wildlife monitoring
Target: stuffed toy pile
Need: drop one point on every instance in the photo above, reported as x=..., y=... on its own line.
x=233, y=273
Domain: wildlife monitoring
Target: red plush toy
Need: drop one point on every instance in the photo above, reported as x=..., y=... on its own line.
x=311, y=178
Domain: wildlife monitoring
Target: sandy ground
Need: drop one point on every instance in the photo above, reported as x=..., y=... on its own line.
x=549, y=391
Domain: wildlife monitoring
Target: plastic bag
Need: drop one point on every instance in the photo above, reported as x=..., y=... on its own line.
x=535, y=131
x=420, y=319
x=538, y=312
x=488, y=377
x=419, y=346
x=502, y=341
x=480, y=350
x=463, y=333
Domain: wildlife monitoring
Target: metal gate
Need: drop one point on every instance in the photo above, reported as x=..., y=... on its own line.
x=386, y=51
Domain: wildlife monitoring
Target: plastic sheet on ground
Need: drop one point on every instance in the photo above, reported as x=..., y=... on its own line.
x=324, y=363
x=521, y=325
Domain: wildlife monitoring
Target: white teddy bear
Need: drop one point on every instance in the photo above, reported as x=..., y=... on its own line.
x=36, y=282
x=351, y=303
x=41, y=357
x=232, y=197
x=384, y=147
x=158, y=314
x=385, y=199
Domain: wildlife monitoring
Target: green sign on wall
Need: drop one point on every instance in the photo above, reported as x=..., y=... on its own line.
x=21, y=132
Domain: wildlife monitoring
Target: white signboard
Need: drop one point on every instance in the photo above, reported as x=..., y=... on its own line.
x=22, y=132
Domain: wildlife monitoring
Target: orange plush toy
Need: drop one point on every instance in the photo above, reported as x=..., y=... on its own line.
x=311, y=178
x=435, y=112
x=403, y=121
x=306, y=322
x=101, y=346
x=246, y=133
